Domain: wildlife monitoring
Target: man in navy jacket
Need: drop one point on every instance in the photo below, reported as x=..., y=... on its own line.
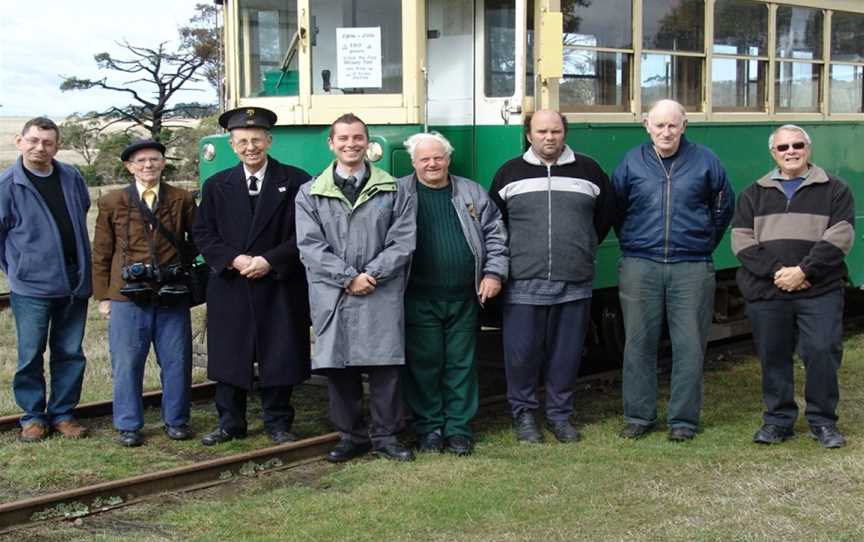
x=45, y=253
x=673, y=205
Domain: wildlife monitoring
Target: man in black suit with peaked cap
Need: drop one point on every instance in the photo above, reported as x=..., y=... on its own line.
x=257, y=301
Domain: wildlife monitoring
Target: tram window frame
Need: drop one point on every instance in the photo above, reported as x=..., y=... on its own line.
x=792, y=56
x=754, y=57
x=676, y=54
x=623, y=62
x=848, y=60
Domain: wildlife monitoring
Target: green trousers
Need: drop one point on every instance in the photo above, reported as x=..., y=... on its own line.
x=440, y=383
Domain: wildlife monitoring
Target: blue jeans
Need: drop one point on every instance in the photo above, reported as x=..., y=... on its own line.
x=131, y=330
x=818, y=322
x=684, y=292
x=58, y=323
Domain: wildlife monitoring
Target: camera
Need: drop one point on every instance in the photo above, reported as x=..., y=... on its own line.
x=171, y=283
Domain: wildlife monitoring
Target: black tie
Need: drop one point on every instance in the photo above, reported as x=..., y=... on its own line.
x=253, y=184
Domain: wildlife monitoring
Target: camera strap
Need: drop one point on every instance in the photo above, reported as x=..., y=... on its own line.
x=150, y=217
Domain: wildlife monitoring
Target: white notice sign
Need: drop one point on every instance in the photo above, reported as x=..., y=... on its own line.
x=358, y=62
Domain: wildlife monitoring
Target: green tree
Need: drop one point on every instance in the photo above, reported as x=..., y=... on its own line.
x=203, y=37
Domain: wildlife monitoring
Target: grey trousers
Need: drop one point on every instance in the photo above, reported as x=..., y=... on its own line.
x=385, y=404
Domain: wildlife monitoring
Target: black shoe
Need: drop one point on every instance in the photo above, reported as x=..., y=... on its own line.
x=395, y=452
x=218, y=436
x=564, y=431
x=773, y=434
x=347, y=450
x=281, y=437
x=178, y=432
x=525, y=427
x=828, y=436
x=681, y=434
x=130, y=439
x=430, y=443
x=635, y=430
x=460, y=445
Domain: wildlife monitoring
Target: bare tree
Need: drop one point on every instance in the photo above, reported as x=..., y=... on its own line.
x=163, y=72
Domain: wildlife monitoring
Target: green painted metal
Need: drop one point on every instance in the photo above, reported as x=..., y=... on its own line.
x=480, y=151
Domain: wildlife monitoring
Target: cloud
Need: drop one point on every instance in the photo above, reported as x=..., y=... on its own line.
x=37, y=48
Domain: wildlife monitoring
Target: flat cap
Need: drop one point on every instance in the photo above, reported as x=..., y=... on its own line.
x=139, y=144
x=247, y=117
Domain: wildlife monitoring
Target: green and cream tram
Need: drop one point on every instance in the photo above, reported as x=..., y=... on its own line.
x=472, y=69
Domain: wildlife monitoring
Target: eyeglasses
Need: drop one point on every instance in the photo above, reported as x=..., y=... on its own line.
x=783, y=147
x=142, y=161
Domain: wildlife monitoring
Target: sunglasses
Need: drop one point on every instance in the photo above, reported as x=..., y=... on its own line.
x=798, y=145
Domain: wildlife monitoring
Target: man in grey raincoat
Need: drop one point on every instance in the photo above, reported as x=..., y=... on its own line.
x=356, y=232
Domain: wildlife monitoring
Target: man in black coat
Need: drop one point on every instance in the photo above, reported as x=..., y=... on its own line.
x=257, y=299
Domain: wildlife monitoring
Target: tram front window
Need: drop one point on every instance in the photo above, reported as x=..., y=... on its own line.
x=356, y=46
x=739, y=71
x=265, y=33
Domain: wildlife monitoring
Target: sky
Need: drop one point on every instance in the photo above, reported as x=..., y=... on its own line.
x=40, y=40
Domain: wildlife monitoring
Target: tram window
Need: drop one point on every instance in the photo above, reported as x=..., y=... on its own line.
x=740, y=28
x=674, y=25
x=266, y=29
x=846, y=88
x=799, y=33
x=499, y=77
x=847, y=37
x=365, y=61
x=596, y=80
x=671, y=76
x=738, y=84
x=797, y=86
x=599, y=24
x=847, y=80
x=739, y=70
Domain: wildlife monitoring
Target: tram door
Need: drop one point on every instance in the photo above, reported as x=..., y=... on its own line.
x=475, y=60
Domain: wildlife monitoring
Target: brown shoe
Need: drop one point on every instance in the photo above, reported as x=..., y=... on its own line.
x=71, y=429
x=33, y=432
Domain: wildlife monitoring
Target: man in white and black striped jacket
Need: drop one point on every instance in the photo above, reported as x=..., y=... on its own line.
x=558, y=206
x=791, y=231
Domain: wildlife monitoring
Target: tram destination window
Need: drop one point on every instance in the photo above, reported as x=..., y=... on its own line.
x=598, y=54
x=739, y=69
x=847, y=63
x=265, y=32
x=673, y=63
x=356, y=46
x=798, y=72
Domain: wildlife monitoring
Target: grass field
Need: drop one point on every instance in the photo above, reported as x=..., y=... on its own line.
x=718, y=487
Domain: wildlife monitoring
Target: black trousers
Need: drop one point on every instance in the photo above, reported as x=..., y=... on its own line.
x=818, y=322
x=277, y=412
x=385, y=404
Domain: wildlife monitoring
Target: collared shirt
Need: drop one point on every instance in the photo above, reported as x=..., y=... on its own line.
x=358, y=174
x=789, y=185
x=258, y=175
x=142, y=188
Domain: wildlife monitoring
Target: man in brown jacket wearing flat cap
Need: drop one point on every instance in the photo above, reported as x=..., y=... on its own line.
x=140, y=284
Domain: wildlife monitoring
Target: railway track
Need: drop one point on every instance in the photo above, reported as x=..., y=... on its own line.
x=200, y=392
x=106, y=496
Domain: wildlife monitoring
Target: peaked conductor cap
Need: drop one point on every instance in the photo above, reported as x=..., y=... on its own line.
x=139, y=144
x=247, y=117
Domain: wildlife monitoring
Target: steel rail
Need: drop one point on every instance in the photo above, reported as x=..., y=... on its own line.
x=106, y=496
x=199, y=392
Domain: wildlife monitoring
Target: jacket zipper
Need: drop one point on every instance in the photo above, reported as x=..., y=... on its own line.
x=549, y=221
x=668, y=206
